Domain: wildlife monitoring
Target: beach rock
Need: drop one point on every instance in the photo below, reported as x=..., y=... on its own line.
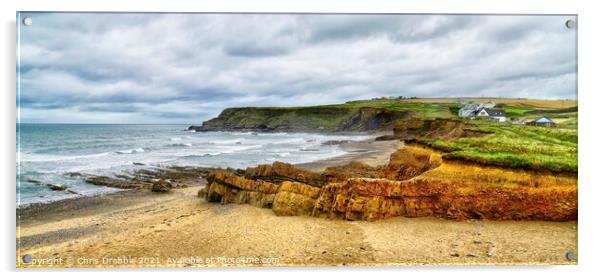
x=234, y=181
x=74, y=174
x=386, y=138
x=295, y=199
x=173, y=173
x=353, y=169
x=279, y=171
x=111, y=182
x=56, y=187
x=374, y=199
x=162, y=186
x=334, y=142
x=73, y=192
x=411, y=161
x=195, y=128
x=226, y=187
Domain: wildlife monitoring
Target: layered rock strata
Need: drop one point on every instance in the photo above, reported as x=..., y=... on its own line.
x=415, y=183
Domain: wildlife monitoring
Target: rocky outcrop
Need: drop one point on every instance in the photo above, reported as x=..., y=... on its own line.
x=388, y=137
x=226, y=187
x=159, y=180
x=294, y=199
x=162, y=186
x=115, y=182
x=374, y=199
x=415, y=183
x=280, y=171
x=353, y=169
x=52, y=187
x=56, y=187
x=409, y=162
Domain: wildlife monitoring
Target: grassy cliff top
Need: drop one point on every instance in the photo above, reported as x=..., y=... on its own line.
x=527, y=147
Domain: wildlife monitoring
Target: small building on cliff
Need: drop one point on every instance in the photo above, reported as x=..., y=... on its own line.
x=470, y=109
x=542, y=121
x=493, y=114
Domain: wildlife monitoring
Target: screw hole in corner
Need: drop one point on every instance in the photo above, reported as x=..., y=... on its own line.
x=570, y=24
x=27, y=21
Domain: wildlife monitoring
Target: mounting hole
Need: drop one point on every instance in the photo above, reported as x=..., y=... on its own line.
x=570, y=23
x=570, y=256
x=26, y=258
x=27, y=21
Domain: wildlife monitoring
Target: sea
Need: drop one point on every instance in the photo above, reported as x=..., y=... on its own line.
x=49, y=152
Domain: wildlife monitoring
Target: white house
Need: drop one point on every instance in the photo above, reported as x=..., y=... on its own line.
x=470, y=109
x=494, y=114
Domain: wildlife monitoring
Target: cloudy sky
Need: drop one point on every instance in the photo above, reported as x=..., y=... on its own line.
x=172, y=68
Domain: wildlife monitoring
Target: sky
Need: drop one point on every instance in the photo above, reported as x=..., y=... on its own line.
x=186, y=68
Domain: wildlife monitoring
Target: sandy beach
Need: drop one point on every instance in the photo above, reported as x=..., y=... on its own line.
x=140, y=228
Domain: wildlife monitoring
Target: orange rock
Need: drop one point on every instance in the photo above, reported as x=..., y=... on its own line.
x=280, y=171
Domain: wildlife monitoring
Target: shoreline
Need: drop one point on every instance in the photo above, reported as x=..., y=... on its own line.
x=370, y=152
x=355, y=151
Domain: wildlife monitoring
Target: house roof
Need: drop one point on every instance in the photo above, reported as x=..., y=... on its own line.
x=543, y=120
x=495, y=112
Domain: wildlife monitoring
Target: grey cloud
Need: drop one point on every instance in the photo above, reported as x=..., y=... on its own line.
x=186, y=68
x=251, y=49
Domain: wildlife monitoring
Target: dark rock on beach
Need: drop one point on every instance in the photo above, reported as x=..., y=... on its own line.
x=34, y=182
x=155, y=179
x=162, y=186
x=335, y=142
x=56, y=187
x=386, y=138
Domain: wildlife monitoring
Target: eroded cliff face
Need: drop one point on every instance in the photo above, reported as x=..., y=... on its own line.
x=321, y=118
x=416, y=182
x=412, y=129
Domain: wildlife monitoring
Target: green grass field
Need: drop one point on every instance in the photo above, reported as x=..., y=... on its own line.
x=528, y=147
x=421, y=110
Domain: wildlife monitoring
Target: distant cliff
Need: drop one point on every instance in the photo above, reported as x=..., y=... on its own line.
x=318, y=118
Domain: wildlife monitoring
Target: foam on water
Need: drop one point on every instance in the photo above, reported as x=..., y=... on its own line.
x=47, y=152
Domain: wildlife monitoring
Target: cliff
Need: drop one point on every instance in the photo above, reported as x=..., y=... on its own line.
x=318, y=118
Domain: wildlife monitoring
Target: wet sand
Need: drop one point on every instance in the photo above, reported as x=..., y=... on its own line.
x=373, y=153
x=140, y=228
